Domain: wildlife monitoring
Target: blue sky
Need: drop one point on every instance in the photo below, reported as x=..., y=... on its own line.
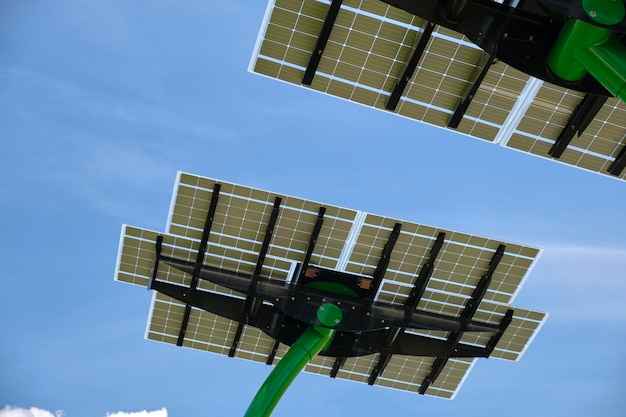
x=101, y=103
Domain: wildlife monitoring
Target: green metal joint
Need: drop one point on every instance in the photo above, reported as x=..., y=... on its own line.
x=583, y=48
x=576, y=35
x=332, y=287
x=329, y=315
x=314, y=340
x=605, y=12
x=607, y=63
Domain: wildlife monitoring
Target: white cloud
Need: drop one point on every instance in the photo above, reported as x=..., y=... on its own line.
x=9, y=411
x=157, y=413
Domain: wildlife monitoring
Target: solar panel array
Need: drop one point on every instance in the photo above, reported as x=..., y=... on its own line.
x=349, y=241
x=367, y=52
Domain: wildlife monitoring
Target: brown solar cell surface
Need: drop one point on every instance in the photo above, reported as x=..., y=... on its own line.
x=546, y=116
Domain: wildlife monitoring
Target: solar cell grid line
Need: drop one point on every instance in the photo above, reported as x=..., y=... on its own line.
x=348, y=240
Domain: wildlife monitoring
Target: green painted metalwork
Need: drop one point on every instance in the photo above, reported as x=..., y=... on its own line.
x=329, y=315
x=575, y=35
x=607, y=63
x=313, y=340
x=605, y=12
x=583, y=48
x=332, y=287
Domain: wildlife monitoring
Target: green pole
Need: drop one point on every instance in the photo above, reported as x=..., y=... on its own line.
x=313, y=340
x=583, y=48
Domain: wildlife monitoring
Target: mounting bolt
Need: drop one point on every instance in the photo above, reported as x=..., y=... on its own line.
x=604, y=12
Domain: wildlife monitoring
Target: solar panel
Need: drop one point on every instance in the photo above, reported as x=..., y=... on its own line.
x=422, y=303
x=377, y=55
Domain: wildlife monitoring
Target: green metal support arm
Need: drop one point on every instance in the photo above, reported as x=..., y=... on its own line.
x=313, y=341
x=584, y=48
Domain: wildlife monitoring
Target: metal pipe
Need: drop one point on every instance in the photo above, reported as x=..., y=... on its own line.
x=312, y=341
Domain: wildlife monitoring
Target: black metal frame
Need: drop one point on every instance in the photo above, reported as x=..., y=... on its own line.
x=322, y=40
x=394, y=334
x=252, y=304
x=416, y=56
x=471, y=89
x=467, y=314
x=580, y=118
x=284, y=310
x=617, y=166
x=199, y=261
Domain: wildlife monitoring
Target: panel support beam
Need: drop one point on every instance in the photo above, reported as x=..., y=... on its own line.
x=322, y=40
x=337, y=366
x=483, y=284
x=422, y=279
x=416, y=56
x=466, y=315
x=383, y=262
x=252, y=303
x=580, y=118
x=312, y=241
x=383, y=360
x=197, y=267
x=471, y=89
x=617, y=167
x=157, y=246
x=394, y=333
x=504, y=324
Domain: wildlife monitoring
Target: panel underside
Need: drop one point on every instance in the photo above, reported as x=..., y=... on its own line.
x=349, y=241
x=368, y=50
